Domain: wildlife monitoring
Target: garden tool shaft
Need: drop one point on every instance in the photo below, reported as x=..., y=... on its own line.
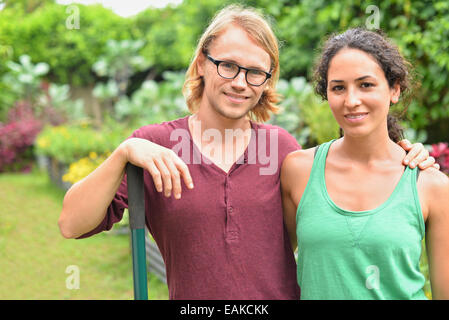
x=136, y=208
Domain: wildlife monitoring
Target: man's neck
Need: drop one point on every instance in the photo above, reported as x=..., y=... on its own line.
x=218, y=122
x=223, y=142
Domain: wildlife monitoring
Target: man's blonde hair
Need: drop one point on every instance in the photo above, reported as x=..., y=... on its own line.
x=257, y=28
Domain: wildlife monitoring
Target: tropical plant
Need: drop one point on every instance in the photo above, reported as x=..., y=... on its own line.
x=119, y=62
x=154, y=101
x=56, y=99
x=24, y=77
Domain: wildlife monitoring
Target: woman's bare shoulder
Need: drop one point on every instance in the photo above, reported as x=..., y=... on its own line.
x=434, y=180
x=300, y=157
x=434, y=186
x=298, y=164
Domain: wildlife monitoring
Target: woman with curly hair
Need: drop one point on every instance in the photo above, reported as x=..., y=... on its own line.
x=356, y=213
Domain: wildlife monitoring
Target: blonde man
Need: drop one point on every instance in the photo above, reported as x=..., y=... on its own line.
x=255, y=25
x=225, y=237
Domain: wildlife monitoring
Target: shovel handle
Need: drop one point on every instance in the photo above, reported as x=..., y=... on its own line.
x=136, y=209
x=136, y=203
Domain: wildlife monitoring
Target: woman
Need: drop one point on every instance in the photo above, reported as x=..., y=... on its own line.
x=356, y=213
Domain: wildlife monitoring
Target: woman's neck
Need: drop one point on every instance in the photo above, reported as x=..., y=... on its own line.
x=370, y=149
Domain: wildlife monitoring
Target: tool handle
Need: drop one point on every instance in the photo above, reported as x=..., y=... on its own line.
x=136, y=209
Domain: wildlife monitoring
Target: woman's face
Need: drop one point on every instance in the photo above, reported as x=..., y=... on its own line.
x=358, y=92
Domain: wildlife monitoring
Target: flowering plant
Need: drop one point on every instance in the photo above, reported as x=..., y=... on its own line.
x=440, y=152
x=81, y=168
x=16, y=138
x=69, y=143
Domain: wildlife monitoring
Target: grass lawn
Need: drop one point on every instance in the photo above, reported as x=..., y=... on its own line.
x=34, y=256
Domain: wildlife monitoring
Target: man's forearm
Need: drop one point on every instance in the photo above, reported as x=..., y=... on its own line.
x=86, y=202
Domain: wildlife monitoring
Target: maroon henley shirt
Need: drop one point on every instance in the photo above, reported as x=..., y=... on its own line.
x=224, y=239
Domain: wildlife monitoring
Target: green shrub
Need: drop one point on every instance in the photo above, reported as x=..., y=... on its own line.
x=69, y=143
x=43, y=35
x=304, y=114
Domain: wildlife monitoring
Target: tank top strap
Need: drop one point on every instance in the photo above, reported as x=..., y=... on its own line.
x=314, y=184
x=319, y=161
x=413, y=185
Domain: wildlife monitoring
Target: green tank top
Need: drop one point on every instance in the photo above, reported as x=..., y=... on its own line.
x=365, y=255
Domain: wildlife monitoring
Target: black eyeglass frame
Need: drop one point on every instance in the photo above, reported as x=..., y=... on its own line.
x=217, y=63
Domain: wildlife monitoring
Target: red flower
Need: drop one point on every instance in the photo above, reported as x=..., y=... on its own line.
x=16, y=138
x=440, y=152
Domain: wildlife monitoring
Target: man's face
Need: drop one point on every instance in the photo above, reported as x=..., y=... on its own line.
x=232, y=98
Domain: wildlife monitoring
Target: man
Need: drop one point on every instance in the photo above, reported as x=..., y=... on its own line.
x=225, y=237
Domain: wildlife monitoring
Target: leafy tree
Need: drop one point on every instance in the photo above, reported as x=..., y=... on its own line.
x=26, y=6
x=44, y=36
x=419, y=28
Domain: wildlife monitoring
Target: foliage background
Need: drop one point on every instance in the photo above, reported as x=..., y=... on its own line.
x=420, y=28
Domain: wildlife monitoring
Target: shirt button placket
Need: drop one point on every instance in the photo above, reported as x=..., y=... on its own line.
x=231, y=232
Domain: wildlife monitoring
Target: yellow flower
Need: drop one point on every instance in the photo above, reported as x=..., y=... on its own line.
x=83, y=167
x=43, y=142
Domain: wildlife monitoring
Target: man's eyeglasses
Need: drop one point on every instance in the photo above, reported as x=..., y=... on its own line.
x=229, y=70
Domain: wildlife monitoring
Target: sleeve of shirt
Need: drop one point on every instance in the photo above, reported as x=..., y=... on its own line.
x=287, y=144
x=115, y=210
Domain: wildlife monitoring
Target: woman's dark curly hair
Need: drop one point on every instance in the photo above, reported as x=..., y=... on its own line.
x=395, y=67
